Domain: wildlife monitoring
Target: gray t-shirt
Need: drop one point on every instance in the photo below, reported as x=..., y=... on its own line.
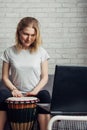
x=25, y=66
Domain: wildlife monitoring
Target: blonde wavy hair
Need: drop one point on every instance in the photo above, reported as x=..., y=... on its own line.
x=28, y=22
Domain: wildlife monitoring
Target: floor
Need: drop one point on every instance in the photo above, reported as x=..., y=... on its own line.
x=63, y=125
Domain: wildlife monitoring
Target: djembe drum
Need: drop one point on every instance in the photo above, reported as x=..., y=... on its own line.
x=22, y=112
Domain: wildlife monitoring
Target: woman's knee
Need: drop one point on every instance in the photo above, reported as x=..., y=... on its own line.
x=44, y=96
x=4, y=94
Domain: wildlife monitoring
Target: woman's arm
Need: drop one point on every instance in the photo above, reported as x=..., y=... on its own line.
x=5, y=76
x=8, y=83
x=43, y=81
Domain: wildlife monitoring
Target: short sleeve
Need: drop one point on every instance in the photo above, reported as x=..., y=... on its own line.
x=5, y=56
x=44, y=55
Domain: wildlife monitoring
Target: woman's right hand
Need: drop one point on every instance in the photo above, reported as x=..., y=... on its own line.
x=17, y=93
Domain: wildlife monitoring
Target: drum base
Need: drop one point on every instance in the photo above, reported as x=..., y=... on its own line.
x=22, y=126
x=22, y=112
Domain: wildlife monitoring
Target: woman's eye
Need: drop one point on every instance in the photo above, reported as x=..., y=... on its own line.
x=33, y=35
x=25, y=33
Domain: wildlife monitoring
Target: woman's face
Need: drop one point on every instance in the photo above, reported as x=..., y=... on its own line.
x=27, y=37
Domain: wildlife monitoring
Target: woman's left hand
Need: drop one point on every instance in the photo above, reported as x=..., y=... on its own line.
x=32, y=93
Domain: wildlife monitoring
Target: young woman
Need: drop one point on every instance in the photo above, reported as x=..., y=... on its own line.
x=28, y=63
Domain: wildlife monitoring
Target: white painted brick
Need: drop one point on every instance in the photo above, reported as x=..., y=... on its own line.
x=63, y=28
x=53, y=55
x=76, y=30
x=69, y=5
x=69, y=56
x=77, y=61
x=63, y=10
x=63, y=61
x=55, y=4
x=82, y=56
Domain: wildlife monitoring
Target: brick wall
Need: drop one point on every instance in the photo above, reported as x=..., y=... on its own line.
x=63, y=27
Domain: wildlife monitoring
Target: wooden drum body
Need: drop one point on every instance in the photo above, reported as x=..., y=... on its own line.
x=22, y=112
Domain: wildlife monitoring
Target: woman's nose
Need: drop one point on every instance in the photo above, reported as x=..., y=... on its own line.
x=29, y=37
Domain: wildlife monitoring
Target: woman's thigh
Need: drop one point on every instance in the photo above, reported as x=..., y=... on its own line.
x=4, y=94
x=44, y=97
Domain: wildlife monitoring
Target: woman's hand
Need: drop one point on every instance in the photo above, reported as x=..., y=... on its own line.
x=32, y=93
x=17, y=93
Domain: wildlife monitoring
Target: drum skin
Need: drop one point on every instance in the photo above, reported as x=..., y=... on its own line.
x=22, y=112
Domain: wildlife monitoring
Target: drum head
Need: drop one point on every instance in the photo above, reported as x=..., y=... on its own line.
x=22, y=99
